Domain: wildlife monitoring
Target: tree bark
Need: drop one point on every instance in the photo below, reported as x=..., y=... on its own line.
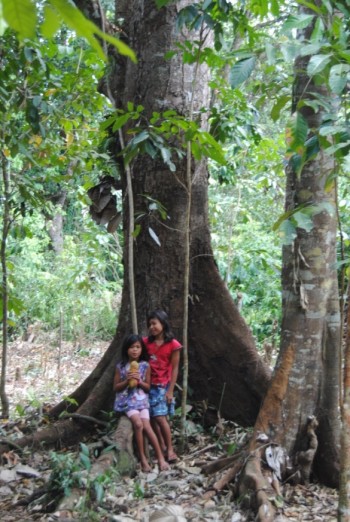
x=306, y=380
x=344, y=489
x=221, y=347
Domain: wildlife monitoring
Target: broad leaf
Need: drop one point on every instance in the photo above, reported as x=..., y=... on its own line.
x=338, y=77
x=120, y=121
x=318, y=63
x=21, y=16
x=287, y=232
x=75, y=19
x=297, y=130
x=297, y=22
x=139, y=138
x=51, y=22
x=310, y=49
x=303, y=220
x=241, y=71
x=279, y=105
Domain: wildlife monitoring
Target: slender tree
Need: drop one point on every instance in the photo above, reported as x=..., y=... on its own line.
x=344, y=489
x=6, y=222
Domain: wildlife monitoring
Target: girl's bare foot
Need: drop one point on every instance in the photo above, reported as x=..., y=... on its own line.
x=163, y=465
x=172, y=457
x=146, y=468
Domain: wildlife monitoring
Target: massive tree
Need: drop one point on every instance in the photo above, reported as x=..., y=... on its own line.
x=224, y=364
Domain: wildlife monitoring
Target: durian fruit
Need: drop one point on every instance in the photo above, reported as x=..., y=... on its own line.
x=134, y=366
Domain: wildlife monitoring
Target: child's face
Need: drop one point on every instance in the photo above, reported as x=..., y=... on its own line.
x=134, y=351
x=155, y=327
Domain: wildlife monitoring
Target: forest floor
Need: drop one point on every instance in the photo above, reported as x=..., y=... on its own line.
x=39, y=375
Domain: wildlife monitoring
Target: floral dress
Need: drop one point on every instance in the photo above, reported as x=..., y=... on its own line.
x=131, y=398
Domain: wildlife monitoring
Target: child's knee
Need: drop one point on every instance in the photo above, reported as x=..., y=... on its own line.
x=161, y=420
x=138, y=425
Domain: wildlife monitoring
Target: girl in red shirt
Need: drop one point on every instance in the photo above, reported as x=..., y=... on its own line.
x=164, y=357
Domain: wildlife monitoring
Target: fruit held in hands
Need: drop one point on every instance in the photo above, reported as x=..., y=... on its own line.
x=134, y=366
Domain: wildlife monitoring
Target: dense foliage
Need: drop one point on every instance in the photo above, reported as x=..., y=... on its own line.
x=52, y=142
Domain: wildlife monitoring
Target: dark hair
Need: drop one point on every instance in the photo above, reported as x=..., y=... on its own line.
x=128, y=341
x=164, y=320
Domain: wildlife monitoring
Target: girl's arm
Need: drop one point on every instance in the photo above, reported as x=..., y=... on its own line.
x=146, y=384
x=118, y=384
x=174, y=361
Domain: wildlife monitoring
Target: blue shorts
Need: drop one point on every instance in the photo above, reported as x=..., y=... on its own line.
x=158, y=404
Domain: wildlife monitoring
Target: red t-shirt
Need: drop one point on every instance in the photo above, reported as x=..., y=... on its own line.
x=160, y=360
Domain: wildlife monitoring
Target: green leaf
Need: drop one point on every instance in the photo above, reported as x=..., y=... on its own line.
x=311, y=6
x=139, y=138
x=196, y=150
x=150, y=149
x=20, y=16
x=51, y=22
x=298, y=129
x=279, y=105
x=85, y=460
x=108, y=122
x=318, y=31
x=121, y=47
x=297, y=22
x=166, y=154
x=75, y=19
x=137, y=230
x=241, y=71
x=99, y=490
x=186, y=16
x=287, y=232
x=15, y=305
x=84, y=449
x=275, y=7
x=318, y=63
x=303, y=220
x=309, y=49
x=120, y=121
x=338, y=77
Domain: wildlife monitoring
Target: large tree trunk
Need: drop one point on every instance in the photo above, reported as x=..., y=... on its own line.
x=222, y=354
x=304, y=391
x=221, y=347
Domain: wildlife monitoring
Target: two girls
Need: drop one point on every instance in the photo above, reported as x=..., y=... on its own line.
x=158, y=378
x=133, y=400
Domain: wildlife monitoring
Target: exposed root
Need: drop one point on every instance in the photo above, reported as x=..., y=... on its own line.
x=260, y=488
x=228, y=477
x=304, y=459
x=60, y=434
x=220, y=464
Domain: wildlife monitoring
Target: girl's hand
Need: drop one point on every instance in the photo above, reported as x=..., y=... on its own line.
x=133, y=375
x=169, y=396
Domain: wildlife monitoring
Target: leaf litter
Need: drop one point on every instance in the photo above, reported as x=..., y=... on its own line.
x=40, y=375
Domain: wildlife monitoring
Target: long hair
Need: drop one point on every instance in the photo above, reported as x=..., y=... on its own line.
x=128, y=341
x=164, y=320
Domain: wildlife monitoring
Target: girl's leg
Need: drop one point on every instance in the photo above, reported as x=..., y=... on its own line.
x=138, y=430
x=159, y=435
x=164, y=428
x=147, y=428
